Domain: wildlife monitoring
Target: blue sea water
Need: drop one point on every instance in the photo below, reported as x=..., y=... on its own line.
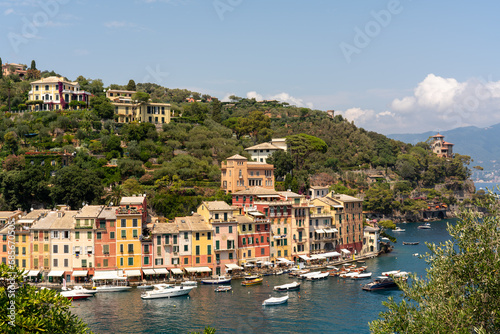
x=329, y=306
x=487, y=186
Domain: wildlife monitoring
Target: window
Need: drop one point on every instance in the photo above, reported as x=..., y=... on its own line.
x=186, y=260
x=261, y=239
x=55, y=235
x=130, y=248
x=111, y=235
x=186, y=248
x=124, y=234
x=77, y=235
x=216, y=216
x=175, y=239
x=158, y=240
x=158, y=250
x=197, y=250
x=209, y=236
x=209, y=250
x=146, y=260
x=167, y=238
x=197, y=259
x=230, y=229
x=84, y=263
x=121, y=248
x=209, y=259
x=105, y=249
x=134, y=222
x=244, y=241
x=89, y=235
x=217, y=230
x=105, y=262
x=55, y=263
x=130, y=261
x=197, y=236
x=217, y=244
x=45, y=248
x=121, y=261
x=55, y=249
x=230, y=256
x=35, y=263
x=262, y=251
x=185, y=236
x=24, y=238
x=66, y=262
x=112, y=223
x=98, y=235
x=123, y=223
x=102, y=224
x=134, y=233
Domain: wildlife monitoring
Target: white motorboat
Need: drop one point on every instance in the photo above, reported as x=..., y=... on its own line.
x=275, y=300
x=280, y=272
x=287, y=287
x=388, y=273
x=398, y=229
x=223, y=288
x=113, y=288
x=80, y=289
x=70, y=294
x=426, y=226
x=145, y=286
x=348, y=275
x=318, y=276
x=216, y=280
x=189, y=283
x=306, y=275
x=361, y=276
x=166, y=291
x=111, y=283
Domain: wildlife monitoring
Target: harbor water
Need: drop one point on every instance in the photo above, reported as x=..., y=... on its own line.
x=333, y=305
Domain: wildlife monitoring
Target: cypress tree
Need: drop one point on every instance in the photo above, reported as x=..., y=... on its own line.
x=33, y=65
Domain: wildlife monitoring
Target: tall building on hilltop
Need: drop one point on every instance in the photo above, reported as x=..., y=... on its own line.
x=441, y=147
x=237, y=173
x=55, y=93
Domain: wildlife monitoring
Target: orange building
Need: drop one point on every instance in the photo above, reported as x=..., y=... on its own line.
x=237, y=173
x=441, y=147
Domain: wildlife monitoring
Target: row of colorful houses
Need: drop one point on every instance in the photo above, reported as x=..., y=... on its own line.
x=262, y=226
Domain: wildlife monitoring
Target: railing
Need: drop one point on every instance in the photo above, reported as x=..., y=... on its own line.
x=320, y=215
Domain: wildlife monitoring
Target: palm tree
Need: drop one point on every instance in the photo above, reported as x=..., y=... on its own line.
x=115, y=195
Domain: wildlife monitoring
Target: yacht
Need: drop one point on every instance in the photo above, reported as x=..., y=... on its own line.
x=166, y=291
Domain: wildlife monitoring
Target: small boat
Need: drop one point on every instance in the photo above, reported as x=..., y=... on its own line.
x=145, y=286
x=72, y=295
x=388, y=273
x=255, y=281
x=380, y=283
x=275, y=300
x=216, y=280
x=318, y=276
x=332, y=267
x=348, y=275
x=294, y=273
x=280, y=272
x=416, y=254
x=426, y=226
x=287, y=287
x=80, y=289
x=223, y=288
x=385, y=239
x=166, y=291
x=410, y=243
x=398, y=229
x=306, y=275
x=189, y=283
x=251, y=277
x=361, y=276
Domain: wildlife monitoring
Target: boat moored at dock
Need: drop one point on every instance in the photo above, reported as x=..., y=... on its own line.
x=166, y=291
x=255, y=281
x=381, y=282
x=217, y=280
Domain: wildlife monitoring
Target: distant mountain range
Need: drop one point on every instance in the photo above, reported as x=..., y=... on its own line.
x=482, y=144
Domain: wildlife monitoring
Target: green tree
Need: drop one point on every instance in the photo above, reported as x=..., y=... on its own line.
x=131, y=85
x=302, y=145
x=11, y=142
x=132, y=187
x=102, y=106
x=9, y=86
x=36, y=310
x=33, y=65
x=1, y=69
x=73, y=185
x=460, y=293
x=216, y=110
x=253, y=124
x=282, y=161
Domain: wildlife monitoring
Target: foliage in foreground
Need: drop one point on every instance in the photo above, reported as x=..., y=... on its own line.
x=461, y=293
x=36, y=310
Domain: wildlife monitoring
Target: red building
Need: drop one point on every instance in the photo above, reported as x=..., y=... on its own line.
x=105, y=239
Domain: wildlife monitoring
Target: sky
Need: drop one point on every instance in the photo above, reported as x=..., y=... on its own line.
x=396, y=66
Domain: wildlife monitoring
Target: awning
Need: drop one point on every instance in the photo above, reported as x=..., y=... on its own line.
x=345, y=251
x=233, y=266
x=149, y=271
x=56, y=273
x=305, y=257
x=331, y=230
x=191, y=269
x=80, y=273
x=176, y=271
x=203, y=269
x=249, y=265
x=273, y=196
x=280, y=236
x=255, y=213
x=318, y=257
x=331, y=254
x=33, y=273
x=319, y=231
x=107, y=274
x=133, y=273
x=283, y=260
x=163, y=271
x=267, y=263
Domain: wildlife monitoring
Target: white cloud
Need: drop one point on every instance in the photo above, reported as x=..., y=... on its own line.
x=358, y=115
x=8, y=11
x=254, y=95
x=285, y=97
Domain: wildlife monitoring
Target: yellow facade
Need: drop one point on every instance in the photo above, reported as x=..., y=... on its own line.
x=23, y=250
x=202, y=247
x=128, y=245
x=280, y=244
x=129, y=111
x=55, y=92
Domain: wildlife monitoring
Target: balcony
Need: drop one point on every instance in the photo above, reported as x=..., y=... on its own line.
x=300, y=241
x=321, y=215
x=83, y=227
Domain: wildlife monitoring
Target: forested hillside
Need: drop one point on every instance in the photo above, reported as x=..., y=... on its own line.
x=84, y=156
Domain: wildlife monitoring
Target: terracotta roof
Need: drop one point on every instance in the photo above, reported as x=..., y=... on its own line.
x=243, y=219
x=108, y=213
x=35, y=214
x=159, y=228
x=67, y=220
x=218, y=205
x=237, y=157
x=344, y=198
x=256, y=191
x=46, y=222
x=289, y=194
x=7, y=214
x=263, y=146
x=438, y=136
x=89, y=211
x=192, y=223
x=446, y=143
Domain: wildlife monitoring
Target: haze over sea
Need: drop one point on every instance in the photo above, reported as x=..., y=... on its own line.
x=329, y=306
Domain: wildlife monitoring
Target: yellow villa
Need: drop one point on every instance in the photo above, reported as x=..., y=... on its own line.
x=129, y=111
x=56, y=93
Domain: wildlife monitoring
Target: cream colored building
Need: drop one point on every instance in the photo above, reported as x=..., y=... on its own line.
x=61, y=248
x=130, y=111
x=56, y=94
